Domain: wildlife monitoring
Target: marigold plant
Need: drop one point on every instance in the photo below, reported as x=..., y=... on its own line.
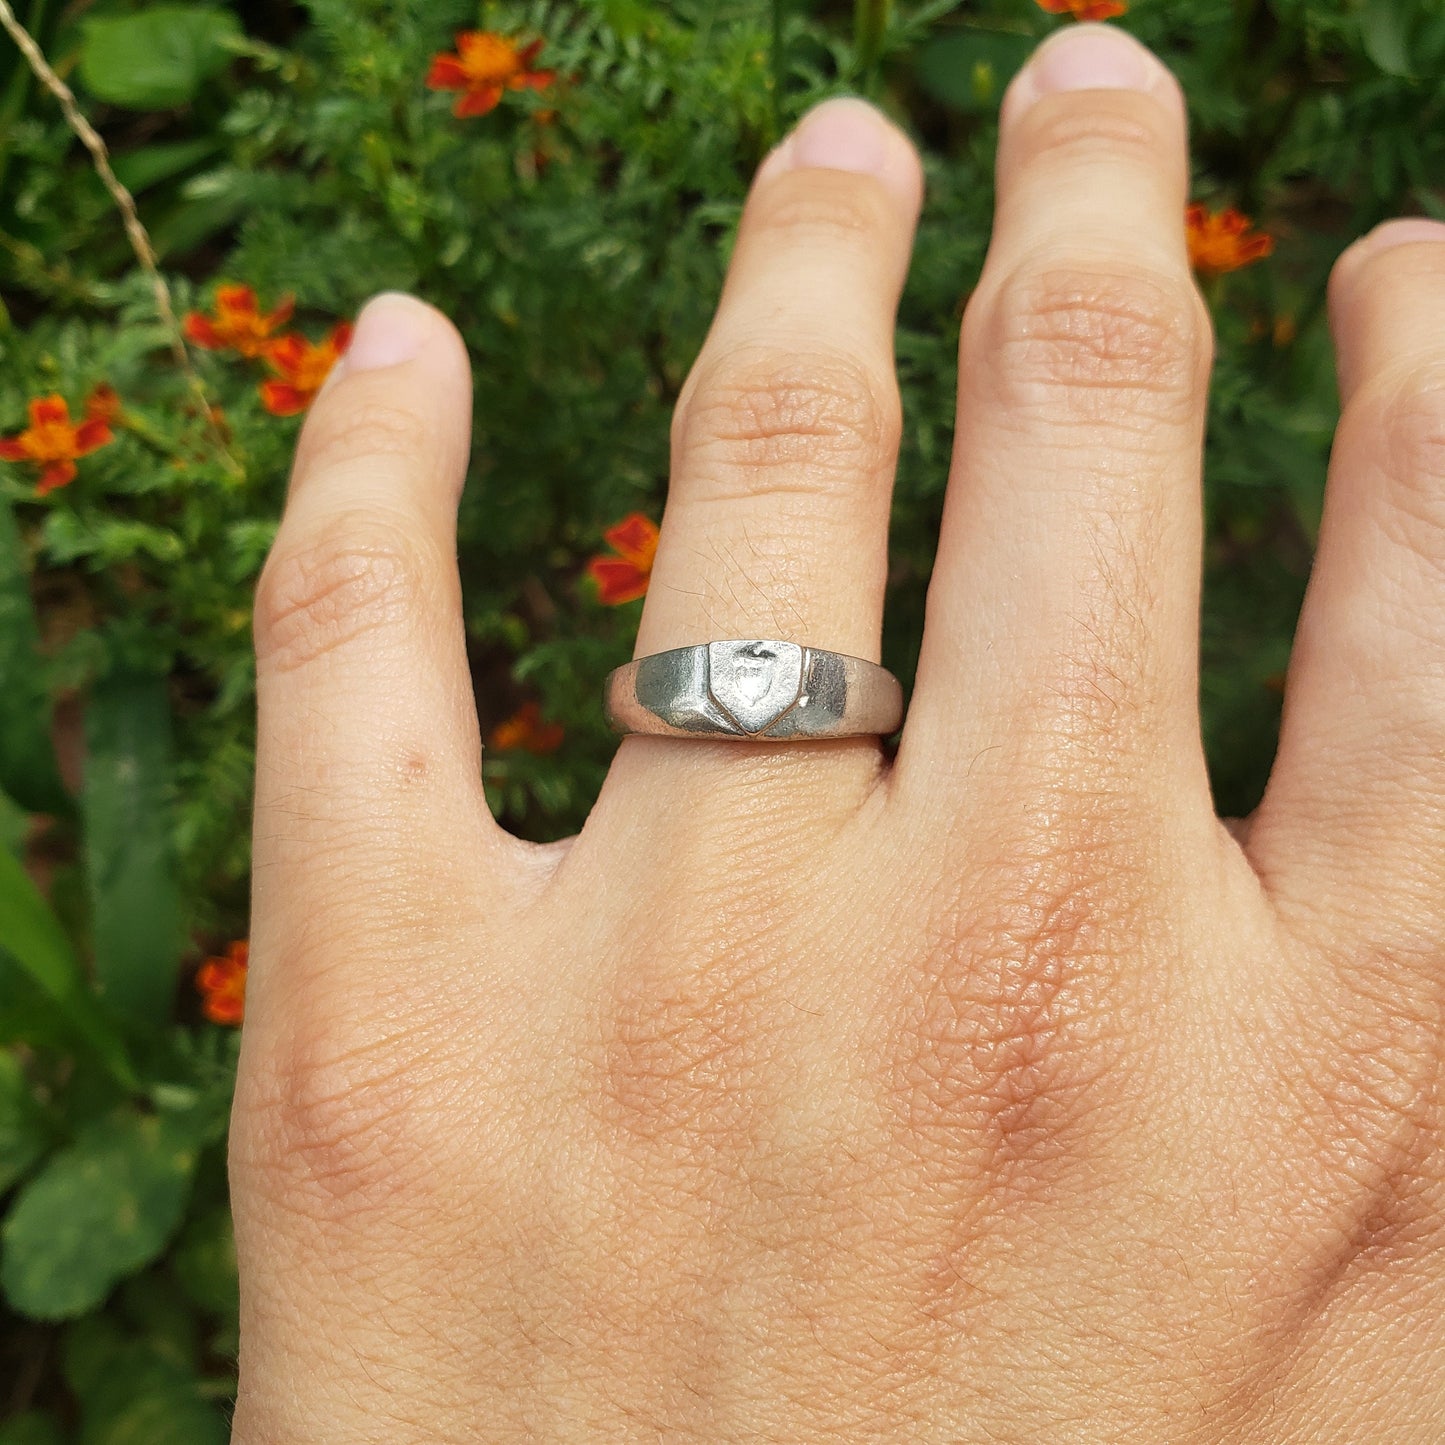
x=484, y=67
x=53, y=443
x=238, y=324
x=301, y=368
x=1221, y=241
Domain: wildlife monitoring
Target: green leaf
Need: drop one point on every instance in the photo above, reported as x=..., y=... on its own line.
x=158, y=58
x=34, y=940
x=98, y=1211
x=27, y=760
x=1382, y=31
x=22, y=1132
x=128, y=855
x=149, y=165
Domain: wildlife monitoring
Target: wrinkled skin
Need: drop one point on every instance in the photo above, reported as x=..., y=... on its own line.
x=998, y=1092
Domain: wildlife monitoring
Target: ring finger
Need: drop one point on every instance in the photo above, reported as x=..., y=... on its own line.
x=785, y=438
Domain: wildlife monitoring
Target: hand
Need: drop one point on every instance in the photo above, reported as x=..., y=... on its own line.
x=997, y=1093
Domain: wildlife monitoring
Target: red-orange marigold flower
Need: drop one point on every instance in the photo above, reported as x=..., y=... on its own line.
x=1085, y=9
x=624, y=578
x=53, y=441
x=302, y=367
x=525, y=730
x=222, y=984
x=485, y=66
x=238, y=324
x=1221, y=241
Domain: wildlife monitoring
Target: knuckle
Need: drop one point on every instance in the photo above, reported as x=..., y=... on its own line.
x=338, y=1128
x=756, y=420
x=1079, y=338
x=684, y=1043
x=358, y=574
x=1013, y=1040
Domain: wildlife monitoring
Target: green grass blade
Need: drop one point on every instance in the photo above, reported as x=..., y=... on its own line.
x=33, y=937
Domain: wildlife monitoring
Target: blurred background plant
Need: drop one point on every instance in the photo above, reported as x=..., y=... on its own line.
x=563, y=180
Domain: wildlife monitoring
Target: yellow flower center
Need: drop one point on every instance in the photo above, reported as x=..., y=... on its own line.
x=490, y=59
x=51, y=441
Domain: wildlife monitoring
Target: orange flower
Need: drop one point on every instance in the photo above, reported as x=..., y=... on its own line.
x=222, y=984
x=238, y=325
x=624, y=578
x=485, y=66
x=526, y=730
x=1085, y=9
x=53, y=442
x=302, y=366
x=1220, y=241
x=103, y=404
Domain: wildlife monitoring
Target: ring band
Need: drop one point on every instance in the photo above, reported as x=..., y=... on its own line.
x=753, y=689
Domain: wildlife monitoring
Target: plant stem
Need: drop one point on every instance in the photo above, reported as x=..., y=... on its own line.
x=140, y=240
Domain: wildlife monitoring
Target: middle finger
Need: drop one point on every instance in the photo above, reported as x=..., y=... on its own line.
x=1062, y=624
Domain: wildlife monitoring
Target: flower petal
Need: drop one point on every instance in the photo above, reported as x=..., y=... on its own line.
x=200, y=331
x=234, y=297
x=91, y=434
x=280, y=398
x=478, y=101
x=447, y=73
x=55, y=474
x=286, y=353
x=618, y=580
x=49, y=410
x=13, y=449
x=634, y=537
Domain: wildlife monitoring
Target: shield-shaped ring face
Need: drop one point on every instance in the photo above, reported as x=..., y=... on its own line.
x=755, y=683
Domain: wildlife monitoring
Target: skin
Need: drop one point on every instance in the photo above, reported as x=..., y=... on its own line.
x=1000, y=1093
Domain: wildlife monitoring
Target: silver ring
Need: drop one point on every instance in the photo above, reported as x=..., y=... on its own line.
x=753, y=689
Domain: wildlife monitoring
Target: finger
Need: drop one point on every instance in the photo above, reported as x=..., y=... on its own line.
x=368, y=790
x=783, y=451
x=1351, y=830
x=1062, y=617
x=786, y=434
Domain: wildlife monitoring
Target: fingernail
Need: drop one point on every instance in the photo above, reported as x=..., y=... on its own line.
x=1086, y=57
x=391, y=328
x=1401, y=232
x=839, y=135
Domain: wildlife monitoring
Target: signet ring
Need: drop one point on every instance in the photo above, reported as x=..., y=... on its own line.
x=753, y=690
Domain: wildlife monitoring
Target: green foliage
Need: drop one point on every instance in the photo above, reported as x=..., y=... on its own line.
x=578, y=238
x=99, y=1210
x=158, y=58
